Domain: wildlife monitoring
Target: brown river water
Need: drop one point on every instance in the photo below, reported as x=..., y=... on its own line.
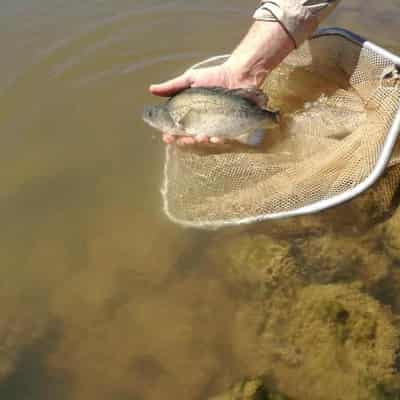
x=102, y=296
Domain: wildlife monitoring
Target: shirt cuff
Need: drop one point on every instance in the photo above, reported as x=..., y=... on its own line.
x=300, y=18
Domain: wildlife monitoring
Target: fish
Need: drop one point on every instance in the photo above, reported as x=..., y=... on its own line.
x=231, y=114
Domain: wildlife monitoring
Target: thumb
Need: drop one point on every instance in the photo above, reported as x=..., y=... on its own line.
x=172, y=86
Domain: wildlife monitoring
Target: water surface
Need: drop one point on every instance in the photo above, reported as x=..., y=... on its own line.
x=103, y=297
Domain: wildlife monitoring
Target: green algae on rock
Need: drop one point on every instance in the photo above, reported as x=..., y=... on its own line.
x=338, y=258
x=258, y=263
x=391, y=236
x=250, y=389
x=255, y=263
x=328, y=327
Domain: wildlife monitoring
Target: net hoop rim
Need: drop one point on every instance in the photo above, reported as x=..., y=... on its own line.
x=320, y=205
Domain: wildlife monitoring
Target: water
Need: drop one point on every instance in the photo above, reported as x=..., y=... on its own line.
x=103, y=298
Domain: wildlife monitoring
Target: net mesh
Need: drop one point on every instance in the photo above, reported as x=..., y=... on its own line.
x=337, y=102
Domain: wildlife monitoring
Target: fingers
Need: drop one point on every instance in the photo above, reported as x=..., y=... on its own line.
x=216, y=140
x=185, y=140
x=179, y=140
x=190, y=140
x=172, y=86
x=168, y=139
x=201, y=139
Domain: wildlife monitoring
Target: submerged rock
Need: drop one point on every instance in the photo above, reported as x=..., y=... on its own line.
x=250, y=389
x=255, y=264
x=245, y=390
x=391, y=236
x=339, y=258
x=332, y=342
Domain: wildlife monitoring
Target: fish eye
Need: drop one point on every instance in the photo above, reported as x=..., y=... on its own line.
x=150, y=112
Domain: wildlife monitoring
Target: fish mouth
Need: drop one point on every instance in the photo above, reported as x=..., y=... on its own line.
x=158, y=117
x=148, y=114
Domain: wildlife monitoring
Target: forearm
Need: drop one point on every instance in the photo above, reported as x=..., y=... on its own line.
x=263, y=48
x=281, y=25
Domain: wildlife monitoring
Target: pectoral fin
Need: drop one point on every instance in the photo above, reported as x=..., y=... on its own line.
x=254, y=138
x=190, y=118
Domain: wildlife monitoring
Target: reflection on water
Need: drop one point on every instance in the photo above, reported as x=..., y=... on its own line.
x=102, y=296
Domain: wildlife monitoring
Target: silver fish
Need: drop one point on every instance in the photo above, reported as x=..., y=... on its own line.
x=236, y=114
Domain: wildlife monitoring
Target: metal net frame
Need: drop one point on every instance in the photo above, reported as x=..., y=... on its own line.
x=206, y=189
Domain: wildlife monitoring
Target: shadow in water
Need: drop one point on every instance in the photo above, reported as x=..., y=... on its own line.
x=31, y=378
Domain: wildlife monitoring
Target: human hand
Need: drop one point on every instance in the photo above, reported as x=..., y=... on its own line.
x=263, y=48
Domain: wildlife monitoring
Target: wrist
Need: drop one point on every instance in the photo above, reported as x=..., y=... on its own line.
x=242, y=73
x=262, y=49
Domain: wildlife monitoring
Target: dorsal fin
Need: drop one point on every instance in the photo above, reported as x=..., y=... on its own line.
x=256, y=96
